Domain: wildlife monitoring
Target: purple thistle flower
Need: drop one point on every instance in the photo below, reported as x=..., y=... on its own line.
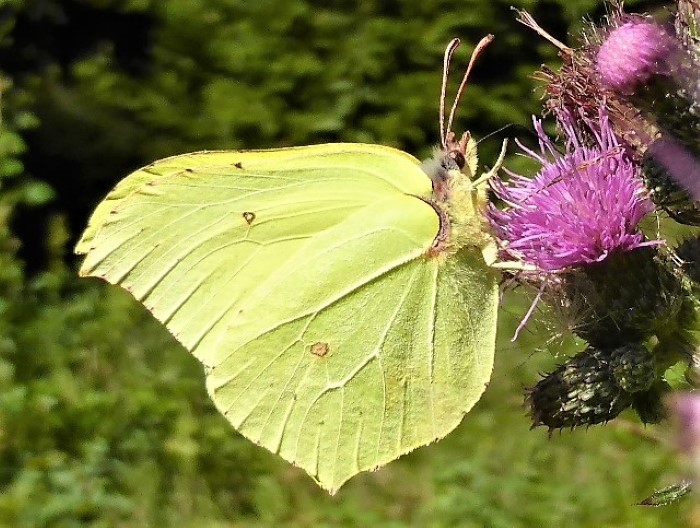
x=581, y=206
x=633, y=53
x=685, y=409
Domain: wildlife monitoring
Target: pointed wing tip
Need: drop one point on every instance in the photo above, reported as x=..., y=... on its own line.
x=85, y=271
x=331, y=488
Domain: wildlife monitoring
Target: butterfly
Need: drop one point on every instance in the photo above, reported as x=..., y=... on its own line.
x=338, y=296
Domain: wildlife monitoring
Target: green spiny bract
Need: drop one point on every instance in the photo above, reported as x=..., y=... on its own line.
x=649, y=404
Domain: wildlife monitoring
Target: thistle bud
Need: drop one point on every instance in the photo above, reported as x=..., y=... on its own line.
x=686, y=342
x=633, y=366
x=582, y=391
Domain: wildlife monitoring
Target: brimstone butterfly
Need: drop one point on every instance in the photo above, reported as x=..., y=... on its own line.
x=338, y=297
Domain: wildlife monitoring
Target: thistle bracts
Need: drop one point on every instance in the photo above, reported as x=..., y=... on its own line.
x=628, y=296
x=640, y=314
x=633, y=367
x=629, y=307
x=592, y=387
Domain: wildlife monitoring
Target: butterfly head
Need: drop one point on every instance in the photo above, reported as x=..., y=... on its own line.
x=448, y=163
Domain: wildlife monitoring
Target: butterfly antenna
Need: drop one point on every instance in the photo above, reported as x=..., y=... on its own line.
x=449, y=51
x=475, y=54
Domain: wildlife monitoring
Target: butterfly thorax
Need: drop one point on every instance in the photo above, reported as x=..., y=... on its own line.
x=460, y=201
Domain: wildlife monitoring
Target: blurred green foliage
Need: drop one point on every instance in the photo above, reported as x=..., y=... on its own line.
x=104, y=419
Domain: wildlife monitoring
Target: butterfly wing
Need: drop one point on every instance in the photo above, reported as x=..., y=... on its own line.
x=301, y=279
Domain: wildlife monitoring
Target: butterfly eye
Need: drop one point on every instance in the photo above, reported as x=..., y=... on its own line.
x=458, y=158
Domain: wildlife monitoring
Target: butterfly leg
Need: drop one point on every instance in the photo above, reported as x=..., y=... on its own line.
x=494, y=170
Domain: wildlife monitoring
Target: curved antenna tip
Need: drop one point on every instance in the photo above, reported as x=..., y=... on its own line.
x=478, y=49
x=447, y=59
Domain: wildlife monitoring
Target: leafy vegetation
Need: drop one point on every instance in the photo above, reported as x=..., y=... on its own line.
x=104, y=419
